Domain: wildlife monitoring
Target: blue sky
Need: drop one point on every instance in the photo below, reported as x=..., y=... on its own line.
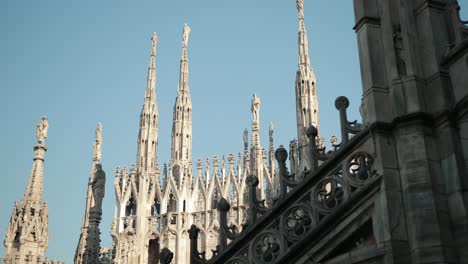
x=81, y=62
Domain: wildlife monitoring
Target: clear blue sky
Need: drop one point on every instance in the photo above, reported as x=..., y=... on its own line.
x=81, y=62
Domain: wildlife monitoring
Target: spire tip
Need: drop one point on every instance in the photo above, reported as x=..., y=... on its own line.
x=185, y=35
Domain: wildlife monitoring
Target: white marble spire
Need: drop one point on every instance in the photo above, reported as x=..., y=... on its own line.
x=306, y=88
x=81, y=247
x=151, y=82
x=27, y=234
x=149, y=118
x=181, y=151
x=35, y=184
x=183, y=80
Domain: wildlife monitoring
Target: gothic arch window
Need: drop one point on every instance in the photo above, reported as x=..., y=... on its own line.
x=130, y=208
x=201, y=202
x=214, y=201
x=172, y=203
x=156, y=207
x=183, y=207
x=246, y=196
x=233, y=195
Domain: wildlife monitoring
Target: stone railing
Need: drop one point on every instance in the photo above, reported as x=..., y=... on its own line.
x=306, y=202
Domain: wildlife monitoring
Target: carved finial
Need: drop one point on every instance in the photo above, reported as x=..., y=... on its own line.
x=231, y=159
x=42, y=129
x=185, y=35
x=215, y=161
x=255, y=108
x=199, y=164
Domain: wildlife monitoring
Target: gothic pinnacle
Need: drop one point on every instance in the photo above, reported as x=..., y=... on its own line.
x=34, y=188
x=148, y=133
x=300, y=11
x=151, y=84
x=306, y=89
x=183, y=79
x=304, y=60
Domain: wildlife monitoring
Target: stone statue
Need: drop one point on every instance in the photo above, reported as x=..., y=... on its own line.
x=98, y=142
x=300, y=8
x=99, y=132
x=154, y=40
x=255, y=108
x=185, y=35
x=98, y=186
x=42, y=129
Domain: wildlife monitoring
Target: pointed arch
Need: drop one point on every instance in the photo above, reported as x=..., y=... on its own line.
x=131, y=206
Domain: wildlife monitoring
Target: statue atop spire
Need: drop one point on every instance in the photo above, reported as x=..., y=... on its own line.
x=28, y=231
x=154, y=43
x=300, y=8
x=42, y=130
x=88, y=247
x=97, y=143
x=185, y=35
x=255, y=109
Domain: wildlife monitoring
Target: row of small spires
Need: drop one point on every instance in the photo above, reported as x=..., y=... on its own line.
x=241, y=162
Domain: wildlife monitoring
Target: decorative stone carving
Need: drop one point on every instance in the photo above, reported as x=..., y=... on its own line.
x=27, y=234
x=297, y=221
x=42, y=129
x=98, y=186
x=97, y=143
x=266, y=247
x=185, y=35
x=255, y=109
x=300, y=8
